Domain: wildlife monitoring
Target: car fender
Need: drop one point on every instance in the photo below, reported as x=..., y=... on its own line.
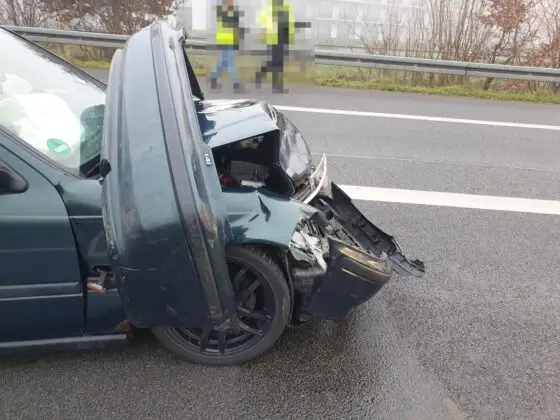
x=260, y=217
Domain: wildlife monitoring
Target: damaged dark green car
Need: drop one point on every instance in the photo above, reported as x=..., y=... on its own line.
x=206, y=221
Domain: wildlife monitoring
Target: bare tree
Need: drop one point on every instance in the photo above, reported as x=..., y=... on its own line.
x=547, y=49
x=114, y=16
x=512, y=29
x=24, y=12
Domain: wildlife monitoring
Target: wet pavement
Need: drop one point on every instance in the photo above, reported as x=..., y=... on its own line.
x=477, y=338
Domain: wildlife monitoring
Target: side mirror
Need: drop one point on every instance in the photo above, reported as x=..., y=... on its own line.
x=11, y=182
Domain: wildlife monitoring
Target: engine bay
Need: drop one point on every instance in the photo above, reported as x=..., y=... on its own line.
x=251, y=163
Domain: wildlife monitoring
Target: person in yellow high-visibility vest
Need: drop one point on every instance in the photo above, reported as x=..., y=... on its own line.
x=228, y=34
x=279, y=24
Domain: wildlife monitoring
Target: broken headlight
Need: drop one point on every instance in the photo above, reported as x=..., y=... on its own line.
x=308, y=245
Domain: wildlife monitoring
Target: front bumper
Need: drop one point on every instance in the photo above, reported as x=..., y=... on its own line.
x=352, y=278
x=345, y=217
x=361, y=258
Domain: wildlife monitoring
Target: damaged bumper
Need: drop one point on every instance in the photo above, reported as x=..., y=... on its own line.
x=348, y=221
x=342, y=259
x=352, y=278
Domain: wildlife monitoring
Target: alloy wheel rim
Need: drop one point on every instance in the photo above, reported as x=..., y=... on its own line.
x=256, y=310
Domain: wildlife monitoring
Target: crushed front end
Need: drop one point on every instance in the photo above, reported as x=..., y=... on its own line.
x=339, y=258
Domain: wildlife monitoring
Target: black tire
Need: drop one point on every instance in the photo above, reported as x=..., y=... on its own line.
x=272, y=290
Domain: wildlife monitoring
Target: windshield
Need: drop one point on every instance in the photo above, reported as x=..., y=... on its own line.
x=49, y=105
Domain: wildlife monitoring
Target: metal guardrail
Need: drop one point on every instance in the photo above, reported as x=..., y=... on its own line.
x=90, y=39
x=499, y=71
x=325, y=57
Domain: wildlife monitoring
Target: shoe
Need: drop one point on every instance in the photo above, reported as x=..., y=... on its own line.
x=280, y=90
x=238, y=88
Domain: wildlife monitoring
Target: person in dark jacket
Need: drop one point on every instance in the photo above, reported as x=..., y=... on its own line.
x=228, y=35
x=278, y=20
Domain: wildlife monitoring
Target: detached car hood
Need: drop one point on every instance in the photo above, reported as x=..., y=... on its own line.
x=165, y=223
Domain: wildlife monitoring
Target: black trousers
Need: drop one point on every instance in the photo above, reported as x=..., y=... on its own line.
x=275, y=66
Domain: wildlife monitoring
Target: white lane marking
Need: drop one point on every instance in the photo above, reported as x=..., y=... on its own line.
x=442, y=199
x=417, y=117
x=439, y=162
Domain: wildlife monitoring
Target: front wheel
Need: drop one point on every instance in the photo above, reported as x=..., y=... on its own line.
x=263, y=307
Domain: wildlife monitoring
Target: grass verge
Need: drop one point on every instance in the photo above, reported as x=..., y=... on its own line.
x=453, y=90
x=90, y=64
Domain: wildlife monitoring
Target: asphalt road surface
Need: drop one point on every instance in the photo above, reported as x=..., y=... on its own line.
x=478, y=337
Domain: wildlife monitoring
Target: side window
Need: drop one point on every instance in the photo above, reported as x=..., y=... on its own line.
x=10, y=181
x=49, y=106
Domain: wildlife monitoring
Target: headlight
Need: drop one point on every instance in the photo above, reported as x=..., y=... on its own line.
x=295, y=156
x=307, y=246
x=320, y=181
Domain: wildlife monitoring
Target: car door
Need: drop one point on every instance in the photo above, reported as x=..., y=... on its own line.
x=41, y=295
x=166, y=223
